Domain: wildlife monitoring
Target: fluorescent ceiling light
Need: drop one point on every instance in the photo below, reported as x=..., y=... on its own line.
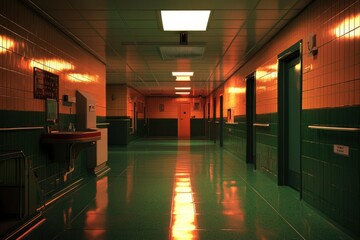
x=183, y=73
x=182, y=88
x=183, y=78
x=182, y=93
x=177, y=20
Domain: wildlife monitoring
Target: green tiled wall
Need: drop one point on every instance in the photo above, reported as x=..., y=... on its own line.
x=235, y=137
x=207, y=129
x=266, y=143
x=197, y=127
x=164, y=127
x=141, y=128
x=210, y=130
x=331, y=181
x=29, y=142
x=217, y=130
x=119, y=130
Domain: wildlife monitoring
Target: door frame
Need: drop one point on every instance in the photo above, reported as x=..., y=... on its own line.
x=283, y=148
x=208, y=121
x=134, y=125
x=221, y=121
x=250, y=130
x=214, y=119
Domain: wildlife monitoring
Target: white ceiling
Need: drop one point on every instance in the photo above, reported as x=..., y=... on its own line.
x=127, y=35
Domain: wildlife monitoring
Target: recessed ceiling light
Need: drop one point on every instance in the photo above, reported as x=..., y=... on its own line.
x=182, y=93
x=182, y=88
x=183, y=78
x=183, y=74
x=177, y=20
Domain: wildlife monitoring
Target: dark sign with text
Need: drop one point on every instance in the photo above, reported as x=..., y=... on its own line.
x=46, y=84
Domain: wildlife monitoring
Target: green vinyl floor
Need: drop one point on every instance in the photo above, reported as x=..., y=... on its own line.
x=182, y=189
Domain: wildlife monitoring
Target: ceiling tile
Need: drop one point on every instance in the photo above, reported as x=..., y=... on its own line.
x=52, y=5
x=84, y=32
x=142, y=24
x=268, y=14
x=100, y=15
x=65, y=15
x=276, y=4
x=110, y=24
x=224, y=24
x=75, y=24
x=230, y=14
x=138, y=15
x=254, y=23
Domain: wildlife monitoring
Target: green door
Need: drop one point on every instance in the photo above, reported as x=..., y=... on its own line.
x=214, y=119
x=250, y=119
x=293, y=85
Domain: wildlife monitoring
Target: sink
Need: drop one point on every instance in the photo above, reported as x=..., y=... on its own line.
x=71, y=137
x=66, y=146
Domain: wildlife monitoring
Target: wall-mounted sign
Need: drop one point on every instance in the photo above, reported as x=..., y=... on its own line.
x=342, y=150
x=46, y=84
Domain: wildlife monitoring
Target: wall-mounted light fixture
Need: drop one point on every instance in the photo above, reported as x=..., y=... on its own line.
x=311, y=44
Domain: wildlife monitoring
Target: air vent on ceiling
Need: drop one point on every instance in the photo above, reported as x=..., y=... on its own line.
x=176, y=52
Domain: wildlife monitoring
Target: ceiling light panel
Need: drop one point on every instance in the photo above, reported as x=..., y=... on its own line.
x=182, y=88
x=190, y=74
x=183, y=78
x=176, y=20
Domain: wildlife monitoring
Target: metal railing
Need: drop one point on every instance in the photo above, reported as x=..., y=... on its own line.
x=13, y=168
x=330, y=128
x=261, y=124
x=21, y=128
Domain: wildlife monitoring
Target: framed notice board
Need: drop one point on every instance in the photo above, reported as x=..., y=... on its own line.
x=46, y=84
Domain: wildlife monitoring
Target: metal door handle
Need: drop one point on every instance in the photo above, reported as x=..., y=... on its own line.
x=261, y=124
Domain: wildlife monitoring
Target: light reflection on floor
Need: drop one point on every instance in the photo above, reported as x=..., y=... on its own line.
x=183, y=221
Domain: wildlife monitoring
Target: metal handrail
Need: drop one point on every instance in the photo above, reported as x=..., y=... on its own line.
x=21, y=128
x=23, y=180
x=5, y=156
x=102, y=124
x=329, y=128
x=232, y=123
x=261, y=124
x=10, y=155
